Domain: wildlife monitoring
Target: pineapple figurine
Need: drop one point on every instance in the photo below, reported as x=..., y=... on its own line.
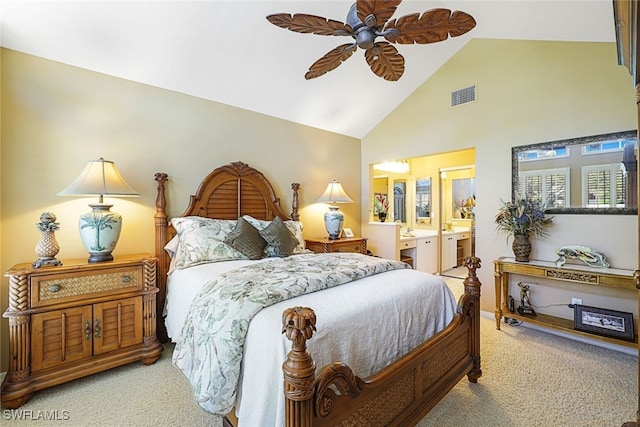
x=47, y=248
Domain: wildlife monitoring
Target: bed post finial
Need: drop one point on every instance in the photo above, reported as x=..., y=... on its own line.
x=294, y=205
x=161, y=202
x=471, y=282
x=298, y=323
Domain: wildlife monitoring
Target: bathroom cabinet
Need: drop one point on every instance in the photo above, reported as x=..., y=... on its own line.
x=427, y=254
x=385, y=241
x=451, y=241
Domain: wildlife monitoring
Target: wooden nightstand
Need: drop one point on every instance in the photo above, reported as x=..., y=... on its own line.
x=354, y=244
x=77, y=319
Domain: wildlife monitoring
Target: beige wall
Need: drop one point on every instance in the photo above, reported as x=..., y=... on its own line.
x=57, y=117
x=527, y=92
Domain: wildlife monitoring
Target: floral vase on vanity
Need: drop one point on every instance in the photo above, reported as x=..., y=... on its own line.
x=522, y=218
x=381, y=206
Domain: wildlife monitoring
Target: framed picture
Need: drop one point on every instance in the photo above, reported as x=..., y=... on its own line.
x=601, y=321
x=347, y=233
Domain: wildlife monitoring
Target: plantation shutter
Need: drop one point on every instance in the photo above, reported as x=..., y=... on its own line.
x=598, y=188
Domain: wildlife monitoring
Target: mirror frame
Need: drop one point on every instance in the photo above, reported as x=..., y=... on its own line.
x=572, y=141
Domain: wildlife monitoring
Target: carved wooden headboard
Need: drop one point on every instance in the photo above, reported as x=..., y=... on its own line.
x=228, y=192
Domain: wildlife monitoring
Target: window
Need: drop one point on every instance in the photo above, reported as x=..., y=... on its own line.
x=549, y=186
x=604, y=186
x=551, y=153
x=608, y=146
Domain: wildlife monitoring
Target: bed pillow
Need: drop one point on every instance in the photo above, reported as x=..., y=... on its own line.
x=279, y=237
x=201, y=240
x=246, y=238
x=294, y=226
x=172, y=246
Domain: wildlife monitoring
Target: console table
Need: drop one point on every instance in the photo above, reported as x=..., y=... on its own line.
x=607, y=277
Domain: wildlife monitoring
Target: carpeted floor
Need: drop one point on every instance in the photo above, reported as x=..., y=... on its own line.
x=530, y=378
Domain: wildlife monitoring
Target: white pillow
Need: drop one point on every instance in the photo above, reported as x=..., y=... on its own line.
x=172, y=246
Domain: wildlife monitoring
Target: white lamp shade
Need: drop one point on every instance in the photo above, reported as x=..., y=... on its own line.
x=335, y=194
x=99, y=178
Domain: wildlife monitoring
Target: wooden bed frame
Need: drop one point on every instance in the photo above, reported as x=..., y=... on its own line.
x=402, y=393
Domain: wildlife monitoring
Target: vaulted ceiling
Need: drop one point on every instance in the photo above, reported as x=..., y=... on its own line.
x=226, y=51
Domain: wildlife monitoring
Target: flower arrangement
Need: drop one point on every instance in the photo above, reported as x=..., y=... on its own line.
x=380, y=204
x=523, y=217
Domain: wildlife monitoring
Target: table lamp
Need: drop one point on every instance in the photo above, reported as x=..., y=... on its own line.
x=334, y=219
x=100, y=228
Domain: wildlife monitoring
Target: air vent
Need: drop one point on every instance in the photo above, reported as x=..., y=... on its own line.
x=462, y=96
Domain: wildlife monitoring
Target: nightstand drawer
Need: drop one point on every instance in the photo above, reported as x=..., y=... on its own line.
x=324, y=245
x=59, y=288
x=356, y=247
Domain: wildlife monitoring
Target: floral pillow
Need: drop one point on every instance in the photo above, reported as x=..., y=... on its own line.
x=201, y=240
x=295, y=227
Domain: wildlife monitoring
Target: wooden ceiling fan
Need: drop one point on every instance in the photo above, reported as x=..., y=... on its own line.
x=366, y=21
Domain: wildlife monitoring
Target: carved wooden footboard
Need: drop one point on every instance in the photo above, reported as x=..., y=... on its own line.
x=399, y=395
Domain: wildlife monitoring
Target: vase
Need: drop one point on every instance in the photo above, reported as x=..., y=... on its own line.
x=382, y=216
x=333, y=222
x=99, y=232
x=521, y=247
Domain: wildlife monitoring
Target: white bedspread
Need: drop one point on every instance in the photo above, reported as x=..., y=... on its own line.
x=366, y=324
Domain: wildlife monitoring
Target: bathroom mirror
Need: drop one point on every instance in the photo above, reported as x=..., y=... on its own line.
x=423, y=201
x=464, y=197
x=587, y=175
x=400, y=200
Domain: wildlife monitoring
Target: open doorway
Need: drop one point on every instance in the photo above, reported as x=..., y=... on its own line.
x=457, y=204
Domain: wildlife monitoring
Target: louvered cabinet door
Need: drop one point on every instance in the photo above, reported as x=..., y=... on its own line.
x=61, y=336
x=117, y=324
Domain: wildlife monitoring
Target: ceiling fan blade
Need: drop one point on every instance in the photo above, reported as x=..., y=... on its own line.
x=385, y=61
x=383, y=10
x=330, y=61
x=433, y=26
x=310, y=24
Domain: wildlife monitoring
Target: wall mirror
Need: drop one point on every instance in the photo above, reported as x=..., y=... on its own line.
x=423, y=200
x=400, y=200
x=587, y=175
x=464, y=197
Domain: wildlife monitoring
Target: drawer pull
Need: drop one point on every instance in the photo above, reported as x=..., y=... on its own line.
x=87, y=330
x=97, y=329
x=126, y=279
x=54, y=288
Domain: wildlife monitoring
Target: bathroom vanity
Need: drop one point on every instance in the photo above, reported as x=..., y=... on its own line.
x=421, y=248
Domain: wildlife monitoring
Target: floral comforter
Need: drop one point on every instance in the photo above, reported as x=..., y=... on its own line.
x=209, y=352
